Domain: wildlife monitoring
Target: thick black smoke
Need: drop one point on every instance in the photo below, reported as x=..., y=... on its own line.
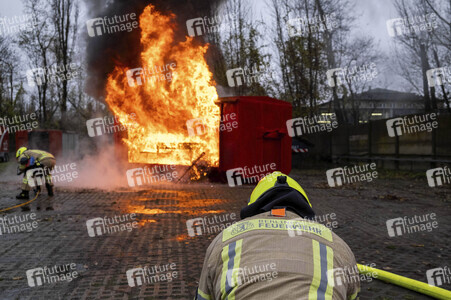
x=123, y=48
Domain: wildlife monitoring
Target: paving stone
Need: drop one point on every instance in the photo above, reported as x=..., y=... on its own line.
x=162, y=236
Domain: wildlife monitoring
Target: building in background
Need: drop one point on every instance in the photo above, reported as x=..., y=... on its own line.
x=376, y=104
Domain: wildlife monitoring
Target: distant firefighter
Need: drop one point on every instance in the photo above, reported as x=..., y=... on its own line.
x=35, y=165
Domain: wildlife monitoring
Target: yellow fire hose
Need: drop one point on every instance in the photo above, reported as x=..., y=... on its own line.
x=12, y=207
x=405, y=282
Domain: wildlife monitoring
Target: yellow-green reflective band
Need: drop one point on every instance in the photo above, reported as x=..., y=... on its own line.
x=354, y=296
x=295, y=226
x=330, y=266
x=231, y=258
x=236, y=265
x=25, y=180
x=225, y=259
x=316, y=271
x=203, y=296
x=323, y=257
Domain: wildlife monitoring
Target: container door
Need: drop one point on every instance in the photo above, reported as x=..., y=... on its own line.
x=276, y=142
x=39, y=140
x=272, y=134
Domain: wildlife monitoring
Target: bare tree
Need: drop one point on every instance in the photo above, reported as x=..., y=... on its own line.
x=8, y=66
x=11, y=88
x=36, y=43
x=318, y=44
x=360, y=57
x=64, y=15
x=424, y=49
x=242, y=46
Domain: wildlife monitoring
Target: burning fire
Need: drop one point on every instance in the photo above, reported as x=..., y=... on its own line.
x=173, y=86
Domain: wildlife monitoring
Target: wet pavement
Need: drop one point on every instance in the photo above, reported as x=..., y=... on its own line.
x=151, y=232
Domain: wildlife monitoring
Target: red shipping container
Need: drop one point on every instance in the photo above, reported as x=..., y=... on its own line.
x=261, y=137
x=41, y=139
x=21, y=138
x=253, y=133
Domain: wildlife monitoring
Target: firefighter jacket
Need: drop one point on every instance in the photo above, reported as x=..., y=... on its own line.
x=30, y=158
x=287, y=257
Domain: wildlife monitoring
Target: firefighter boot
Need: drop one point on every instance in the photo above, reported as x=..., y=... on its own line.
x=25, y=195
x=49, y=189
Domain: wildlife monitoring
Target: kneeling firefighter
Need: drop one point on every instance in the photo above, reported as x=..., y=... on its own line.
x=277, y=252
x=34, y=159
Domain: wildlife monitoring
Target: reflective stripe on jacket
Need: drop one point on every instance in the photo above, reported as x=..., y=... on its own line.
x=266, y=257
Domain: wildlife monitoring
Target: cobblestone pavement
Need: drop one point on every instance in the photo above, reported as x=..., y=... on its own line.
x=101, y=262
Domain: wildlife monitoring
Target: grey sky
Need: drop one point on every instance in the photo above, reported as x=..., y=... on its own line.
x=371, y=16
x=370, y=20
x=10, y=8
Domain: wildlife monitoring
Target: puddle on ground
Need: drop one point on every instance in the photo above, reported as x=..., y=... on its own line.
x=170, y=193
x=203, y=202
x=146, y=221
x=203, y=211
x=179, y=202
x=155, y=211
x=181, y=237
x=151, y=211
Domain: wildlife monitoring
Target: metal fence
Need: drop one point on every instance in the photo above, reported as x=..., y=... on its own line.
x=371, y=142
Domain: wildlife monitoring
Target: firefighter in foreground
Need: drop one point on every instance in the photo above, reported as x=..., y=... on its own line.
x=277, y=252
x=33, y=160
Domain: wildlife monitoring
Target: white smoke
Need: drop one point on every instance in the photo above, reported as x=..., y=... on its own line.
x=101, y=168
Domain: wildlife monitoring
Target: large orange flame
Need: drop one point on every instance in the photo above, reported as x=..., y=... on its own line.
x=178, y=87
